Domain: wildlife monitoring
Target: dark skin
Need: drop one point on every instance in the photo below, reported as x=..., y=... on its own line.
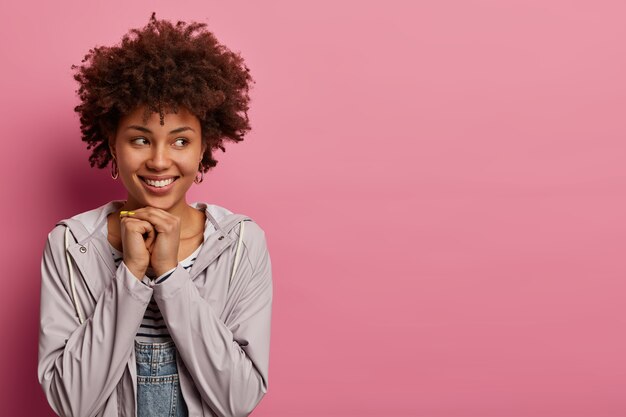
x=162, y=229
x=189, y=240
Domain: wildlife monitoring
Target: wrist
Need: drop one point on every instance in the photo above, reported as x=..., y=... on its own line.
x=138, y=272
x=160, y=270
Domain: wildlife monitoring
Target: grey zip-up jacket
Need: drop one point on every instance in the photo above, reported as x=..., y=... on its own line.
x=221, y=329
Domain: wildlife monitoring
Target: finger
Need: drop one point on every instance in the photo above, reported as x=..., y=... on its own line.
x=163, y=221
x=149, y=237
x=136, y=225
x=142, y=227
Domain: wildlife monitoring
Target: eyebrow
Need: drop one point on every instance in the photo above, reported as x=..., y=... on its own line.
x=146, y=130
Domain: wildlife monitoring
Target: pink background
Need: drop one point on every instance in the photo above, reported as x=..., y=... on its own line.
x=441, y=183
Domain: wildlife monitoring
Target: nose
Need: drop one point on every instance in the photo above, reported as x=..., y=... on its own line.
x=159, y=159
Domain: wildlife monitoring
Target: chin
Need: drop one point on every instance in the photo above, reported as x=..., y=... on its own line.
x=163, y=203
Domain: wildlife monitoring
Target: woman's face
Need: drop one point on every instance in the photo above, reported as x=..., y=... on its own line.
x=148, y=152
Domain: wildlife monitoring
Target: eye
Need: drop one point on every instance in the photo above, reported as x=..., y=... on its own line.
x=183, y=142
x=135, y=140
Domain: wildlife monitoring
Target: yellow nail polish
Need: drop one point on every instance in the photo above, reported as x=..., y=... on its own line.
x=131, y=213
x=123, y=213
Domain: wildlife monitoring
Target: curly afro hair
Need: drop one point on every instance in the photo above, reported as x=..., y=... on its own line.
x=164, y=66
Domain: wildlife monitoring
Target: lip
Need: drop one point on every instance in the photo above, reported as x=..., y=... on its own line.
x=158, y=177
x=156, y=190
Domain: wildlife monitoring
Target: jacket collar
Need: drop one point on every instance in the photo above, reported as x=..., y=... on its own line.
x=86, y=228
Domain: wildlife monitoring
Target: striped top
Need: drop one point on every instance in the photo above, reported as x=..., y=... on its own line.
x=153, y=328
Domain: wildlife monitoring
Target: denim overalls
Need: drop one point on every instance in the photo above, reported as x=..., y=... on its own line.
x=158, y=388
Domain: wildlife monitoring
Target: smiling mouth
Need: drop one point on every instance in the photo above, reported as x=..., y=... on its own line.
x=159, y=184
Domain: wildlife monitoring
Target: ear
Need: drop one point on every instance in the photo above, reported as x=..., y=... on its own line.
x=111, y=140
x=204, y=147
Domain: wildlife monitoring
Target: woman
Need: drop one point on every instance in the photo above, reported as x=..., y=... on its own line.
x=151, y=306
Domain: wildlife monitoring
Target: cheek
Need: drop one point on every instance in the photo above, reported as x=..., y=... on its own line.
x=191, y=168
x=191, y=164
x=126, y=165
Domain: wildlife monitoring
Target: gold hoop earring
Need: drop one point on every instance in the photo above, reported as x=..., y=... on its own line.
x=201, y=177
x=114, y=172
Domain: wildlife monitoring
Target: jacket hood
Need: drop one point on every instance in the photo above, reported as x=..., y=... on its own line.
x=86, y=226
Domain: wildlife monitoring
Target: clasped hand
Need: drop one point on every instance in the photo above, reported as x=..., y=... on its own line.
x=150, y=237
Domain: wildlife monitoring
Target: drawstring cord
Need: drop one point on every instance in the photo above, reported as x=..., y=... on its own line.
x=79, y=311
x=237, y=254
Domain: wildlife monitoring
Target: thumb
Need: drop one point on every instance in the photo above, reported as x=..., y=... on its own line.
x=150, y=239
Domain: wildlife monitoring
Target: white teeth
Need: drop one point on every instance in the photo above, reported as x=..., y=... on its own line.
x=159, y=184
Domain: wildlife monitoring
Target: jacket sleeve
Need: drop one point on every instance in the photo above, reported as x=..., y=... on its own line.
x=228, y=362
x=80, y=364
